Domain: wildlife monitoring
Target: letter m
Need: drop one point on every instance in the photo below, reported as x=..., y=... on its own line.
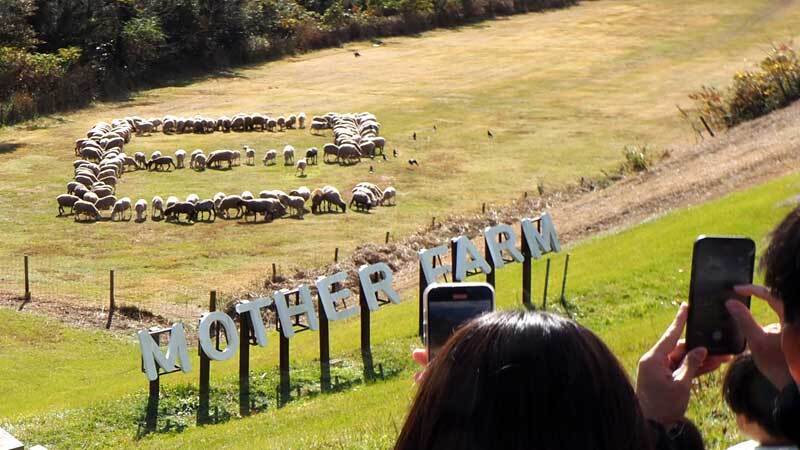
x=153, y=359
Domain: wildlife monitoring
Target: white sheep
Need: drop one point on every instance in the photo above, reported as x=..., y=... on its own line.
x=389, y=196
x=158, y=207
x=300, y=166
x=270, y=157
x=288, y=155
x=171, y=200
x=301, y=120
x=85, y=209
x=192, y=198
x=250, y=156
x=302, y=191
x=90, y=197
x=119, y=208
x=247, y=195
x=141, y=210
x=180, y=156
x=66, y=201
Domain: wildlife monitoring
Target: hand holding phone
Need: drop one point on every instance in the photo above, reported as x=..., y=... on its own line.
x=447, y=306
x=718, y=264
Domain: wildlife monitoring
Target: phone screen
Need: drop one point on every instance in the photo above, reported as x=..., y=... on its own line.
x=718, y=264
x=450, y=305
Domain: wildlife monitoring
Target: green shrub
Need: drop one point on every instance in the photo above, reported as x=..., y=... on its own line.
x=773, y=84
x=638, y=158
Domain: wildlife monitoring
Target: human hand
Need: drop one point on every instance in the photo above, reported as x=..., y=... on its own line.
x=764, y=342
x=664, y=378
x=420, y=356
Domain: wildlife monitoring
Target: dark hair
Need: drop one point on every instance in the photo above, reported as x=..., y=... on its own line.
x=781, y=263
x=747, y=391
x=524, y=380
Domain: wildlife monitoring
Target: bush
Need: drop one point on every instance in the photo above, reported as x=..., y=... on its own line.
x=638, y=158
x=773, y=84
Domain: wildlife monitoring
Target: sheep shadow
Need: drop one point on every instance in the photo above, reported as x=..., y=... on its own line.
x=302, y=175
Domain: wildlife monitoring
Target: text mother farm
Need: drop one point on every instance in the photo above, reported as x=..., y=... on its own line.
x=539, y=237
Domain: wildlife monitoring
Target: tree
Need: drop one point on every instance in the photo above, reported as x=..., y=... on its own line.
x=16, y=29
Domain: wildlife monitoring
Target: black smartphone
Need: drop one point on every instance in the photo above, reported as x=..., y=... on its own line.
x=448, y=306
x=718, y=264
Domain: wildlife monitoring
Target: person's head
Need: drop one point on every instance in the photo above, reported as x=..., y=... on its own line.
x=524, y=380
x=751, y=396
x=781, y=265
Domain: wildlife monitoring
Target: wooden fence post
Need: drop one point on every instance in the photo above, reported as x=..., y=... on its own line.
x=490, y=276
x=563, y=298
x=244, y=364
x=205, y=369
x=546, y=282
x=527, y=272
x=366, y=344
x=336, y=255
x=386, y=241
x=324, y=349
x=27, y=279
x=111, y=305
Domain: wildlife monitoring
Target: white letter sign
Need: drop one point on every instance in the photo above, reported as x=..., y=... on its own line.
x=371, y=289
x=492, y=234
x=231, y=335
x=329, y=299
x=544, y=242
x=176, y=350
x=254, y=309
x=427, y=258
x=463, y=247
x=285, y=312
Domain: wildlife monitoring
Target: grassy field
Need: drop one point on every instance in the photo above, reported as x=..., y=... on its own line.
x=562, y=91
x=93, y=397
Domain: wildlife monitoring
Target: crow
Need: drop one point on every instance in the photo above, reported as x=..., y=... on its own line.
x=489, y=133
x=413, y=162
x=371, y=170
x=394, y=152
x=414, y=136
x=434, y=128
x=384, y=156
x=356, y=54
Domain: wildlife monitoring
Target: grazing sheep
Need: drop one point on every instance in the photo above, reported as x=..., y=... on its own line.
x=254, y=207
x=371, y=187
x=330, y=149
x=300, y=166
x=130, y=162
x=298, y=204
x=333, y=198
x=193, y=156
x=144, y=128
x=161, y=163
x=268, y=194
x=180, y=156
x=173, y=213
x=317, y=198
x=217, y=157
x=80, y=191
x=281, y=123
x=86, y=210
x=291, y=121
x=367, y=148
x=250, y=156
x=270, y=156
x=301, y=120
x=389, y=196
x=110, y=172
x=311, y=155
x=192, y=198
x=205, y=206
x=218, y=195
x=362, y=201
x=200, y=162
x=158, y=208
x=171, y=200
x=288, y=155
x=141, y=210
x=271, y=124
x=379, y=143
x=103, y=191
x=109, y=181
x=318, y=126
x=120, y=207
x=236, y=160
x=90, y=197
x=348, y=153
x=155, y=154
x=228, y=203
x=259, y=120
x=106, y=203
x=84, y=180
x=71, y=186
x=66, y=201
x=247, y=195
x=303, y=192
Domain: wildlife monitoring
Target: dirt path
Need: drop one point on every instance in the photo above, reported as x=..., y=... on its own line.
x=746, y=156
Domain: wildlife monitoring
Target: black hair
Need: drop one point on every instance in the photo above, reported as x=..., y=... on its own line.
x=525, y=380
x=747, y=391
x=781, y=265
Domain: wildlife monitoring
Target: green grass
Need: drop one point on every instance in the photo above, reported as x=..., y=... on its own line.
x=563, y=92
x=624, y=286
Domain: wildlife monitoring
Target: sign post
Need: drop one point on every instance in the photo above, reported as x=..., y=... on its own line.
x=324, y=348
x=205, y=370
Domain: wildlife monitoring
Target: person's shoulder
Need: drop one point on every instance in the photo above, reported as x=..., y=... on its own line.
x=746, y=445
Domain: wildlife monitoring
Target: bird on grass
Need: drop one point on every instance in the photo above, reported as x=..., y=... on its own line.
x=413, y=162
x=489, y=133
x=394, y=152
x=384, y=156
x=434, y=128
x=414, y=136
x=371, y=170
x=356, y=54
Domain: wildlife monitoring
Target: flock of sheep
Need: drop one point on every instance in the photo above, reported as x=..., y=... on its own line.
x=102, y=162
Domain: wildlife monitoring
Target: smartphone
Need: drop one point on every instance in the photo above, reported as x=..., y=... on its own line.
x=718, y=264
x=447, y=306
